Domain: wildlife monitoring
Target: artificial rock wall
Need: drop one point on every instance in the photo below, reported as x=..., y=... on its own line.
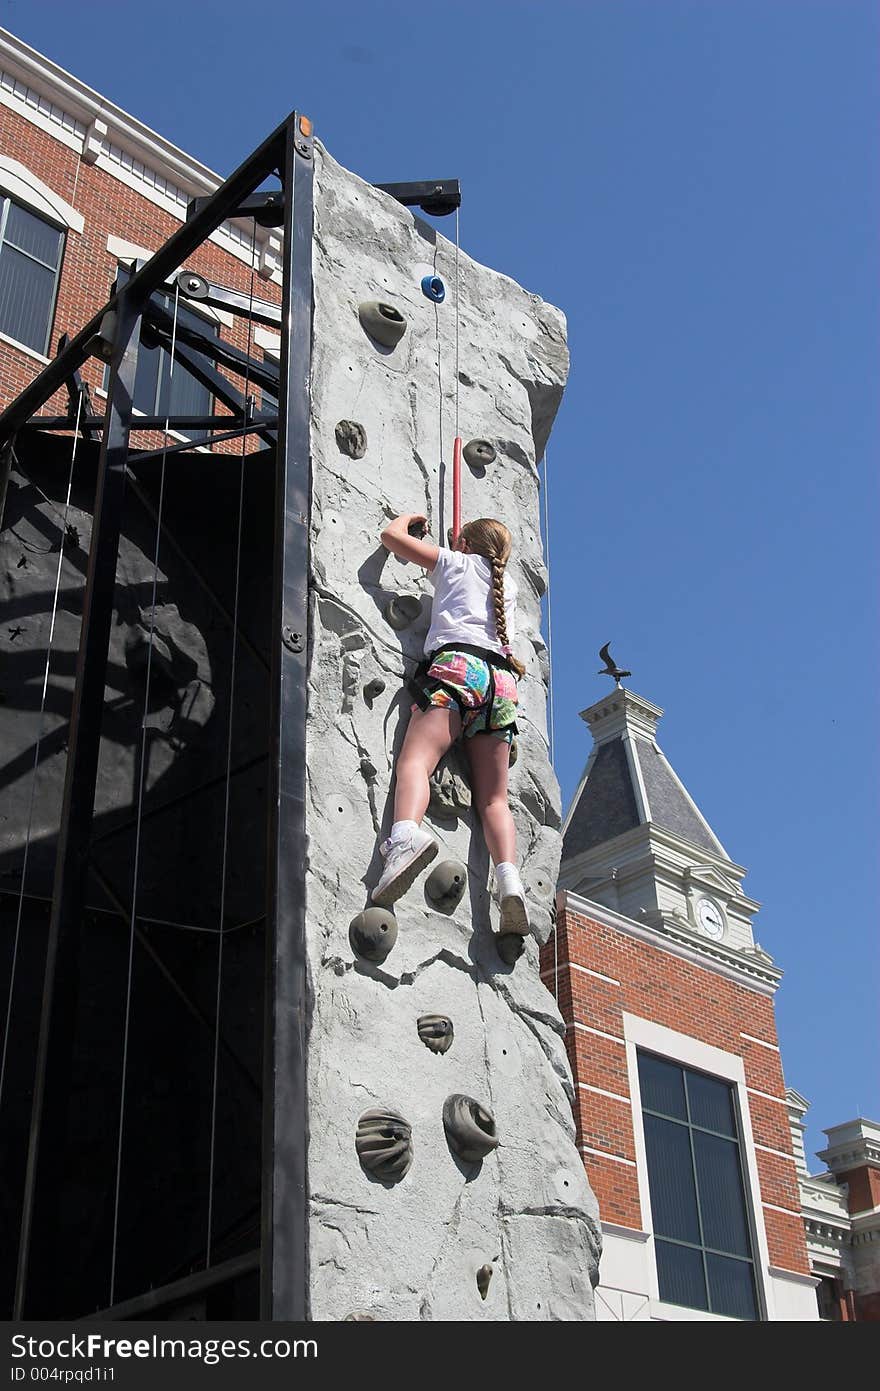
x=411, y=1247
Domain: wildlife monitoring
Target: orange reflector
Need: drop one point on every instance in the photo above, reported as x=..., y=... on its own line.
x=305, y=125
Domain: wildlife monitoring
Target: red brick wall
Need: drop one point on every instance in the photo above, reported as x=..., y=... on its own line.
x=620, y=973
x=864, y=1188
x=110, y=208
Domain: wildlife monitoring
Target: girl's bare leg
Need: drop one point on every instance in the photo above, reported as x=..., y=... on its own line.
x=429, y=735
x=490, y=760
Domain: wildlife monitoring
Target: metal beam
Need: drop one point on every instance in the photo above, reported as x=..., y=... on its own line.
x=436, y=197
x=169, y=258
x=284, y=1282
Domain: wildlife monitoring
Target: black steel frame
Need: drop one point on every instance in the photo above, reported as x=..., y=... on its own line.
x=116, y=330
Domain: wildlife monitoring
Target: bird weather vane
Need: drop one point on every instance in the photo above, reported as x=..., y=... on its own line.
x=611, y=668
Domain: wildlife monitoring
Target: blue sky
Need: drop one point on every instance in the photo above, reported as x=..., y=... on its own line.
x=694, y=182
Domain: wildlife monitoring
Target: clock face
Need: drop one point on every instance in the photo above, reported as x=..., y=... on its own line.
x=709, y=917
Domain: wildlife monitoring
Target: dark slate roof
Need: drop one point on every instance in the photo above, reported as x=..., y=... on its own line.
x=668, y=806
x=607, y=804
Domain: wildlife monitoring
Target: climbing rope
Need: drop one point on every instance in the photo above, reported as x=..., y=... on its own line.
x=552, y=715
x=222, y=929
x=40, y=727
x=140, y=805
x=456, y=448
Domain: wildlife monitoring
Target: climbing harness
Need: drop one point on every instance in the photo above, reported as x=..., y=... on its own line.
x=421, y=677
x=65, y=535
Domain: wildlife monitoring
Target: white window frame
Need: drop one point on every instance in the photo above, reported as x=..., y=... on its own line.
x=728, y=1067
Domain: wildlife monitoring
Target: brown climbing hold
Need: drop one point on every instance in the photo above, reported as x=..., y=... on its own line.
x=445, y=885
x=436, y=1032
x=484, y=1275
x=351, y=439
x=478, y=453
x=401, y=610
x=382, y=322
x=469, y=1126
x=510, y=947
x=384, y=1144
x=373, y=933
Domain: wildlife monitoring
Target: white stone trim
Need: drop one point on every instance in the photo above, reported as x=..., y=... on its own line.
x=753, y=1091
x=600, y=1091
x=643, y=806
x=268, y=341
x=677, y=1313
x=603, y=1154
x=626, y=1234
x=18, y=181
x=23, y=348
x=691, y=1052
x=26, y=101
x=763, y=1042
x=789, y=1211
x=588, y=1029
x=780, y=1273
x=573, y=966
x=780, y=1154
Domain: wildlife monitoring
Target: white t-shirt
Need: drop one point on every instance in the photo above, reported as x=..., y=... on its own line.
x=462, y=610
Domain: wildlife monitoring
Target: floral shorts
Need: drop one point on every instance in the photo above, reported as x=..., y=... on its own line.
x=461, y=680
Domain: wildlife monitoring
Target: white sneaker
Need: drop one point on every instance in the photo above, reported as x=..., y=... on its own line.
x=511, y=900
x=404, y=861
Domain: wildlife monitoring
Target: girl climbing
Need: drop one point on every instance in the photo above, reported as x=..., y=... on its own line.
x=466, y=685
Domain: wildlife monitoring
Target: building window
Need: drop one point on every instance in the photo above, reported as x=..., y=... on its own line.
x=698, y=1198
x=157, y=391
x=30, y=259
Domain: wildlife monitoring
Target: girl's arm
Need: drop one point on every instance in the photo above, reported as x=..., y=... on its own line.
x=397, y=539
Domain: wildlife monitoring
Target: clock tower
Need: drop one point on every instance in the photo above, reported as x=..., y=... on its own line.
x=667, y=999
x=636, y=841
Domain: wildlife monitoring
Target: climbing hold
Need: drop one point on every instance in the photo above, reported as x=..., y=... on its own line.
x=358, y=1316
x=514, y=753
x=470, y=1127
x=510, y=947
x=402, y=609
x=351, y=439
x=478, y=453
x=373, y=933
x=484, y=1275
x=374, y=687
x=368, y=770
x=436, y=1032
x=433, y=287
x=384, y=1144
x=445, y=885
x=382, y=322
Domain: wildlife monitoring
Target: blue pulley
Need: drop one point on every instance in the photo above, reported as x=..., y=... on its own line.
x=433, y=287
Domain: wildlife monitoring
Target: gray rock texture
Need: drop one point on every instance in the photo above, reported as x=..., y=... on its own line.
x=412, y=1250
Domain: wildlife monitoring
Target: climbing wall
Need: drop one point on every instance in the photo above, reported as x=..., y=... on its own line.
x=443, y=1175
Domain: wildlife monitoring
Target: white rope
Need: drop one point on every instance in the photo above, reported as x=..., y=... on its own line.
x=140, y=805
x=40, y=724
x=222, y=932
x=457, y=382
x=552, y=713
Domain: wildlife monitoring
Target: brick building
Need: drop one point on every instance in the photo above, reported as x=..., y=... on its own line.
x=84, y=187
x=683, y=1117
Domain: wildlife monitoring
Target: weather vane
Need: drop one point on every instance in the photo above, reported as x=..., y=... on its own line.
x=611, y=668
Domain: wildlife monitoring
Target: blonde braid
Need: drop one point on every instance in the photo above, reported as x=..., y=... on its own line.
x=500, y=615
